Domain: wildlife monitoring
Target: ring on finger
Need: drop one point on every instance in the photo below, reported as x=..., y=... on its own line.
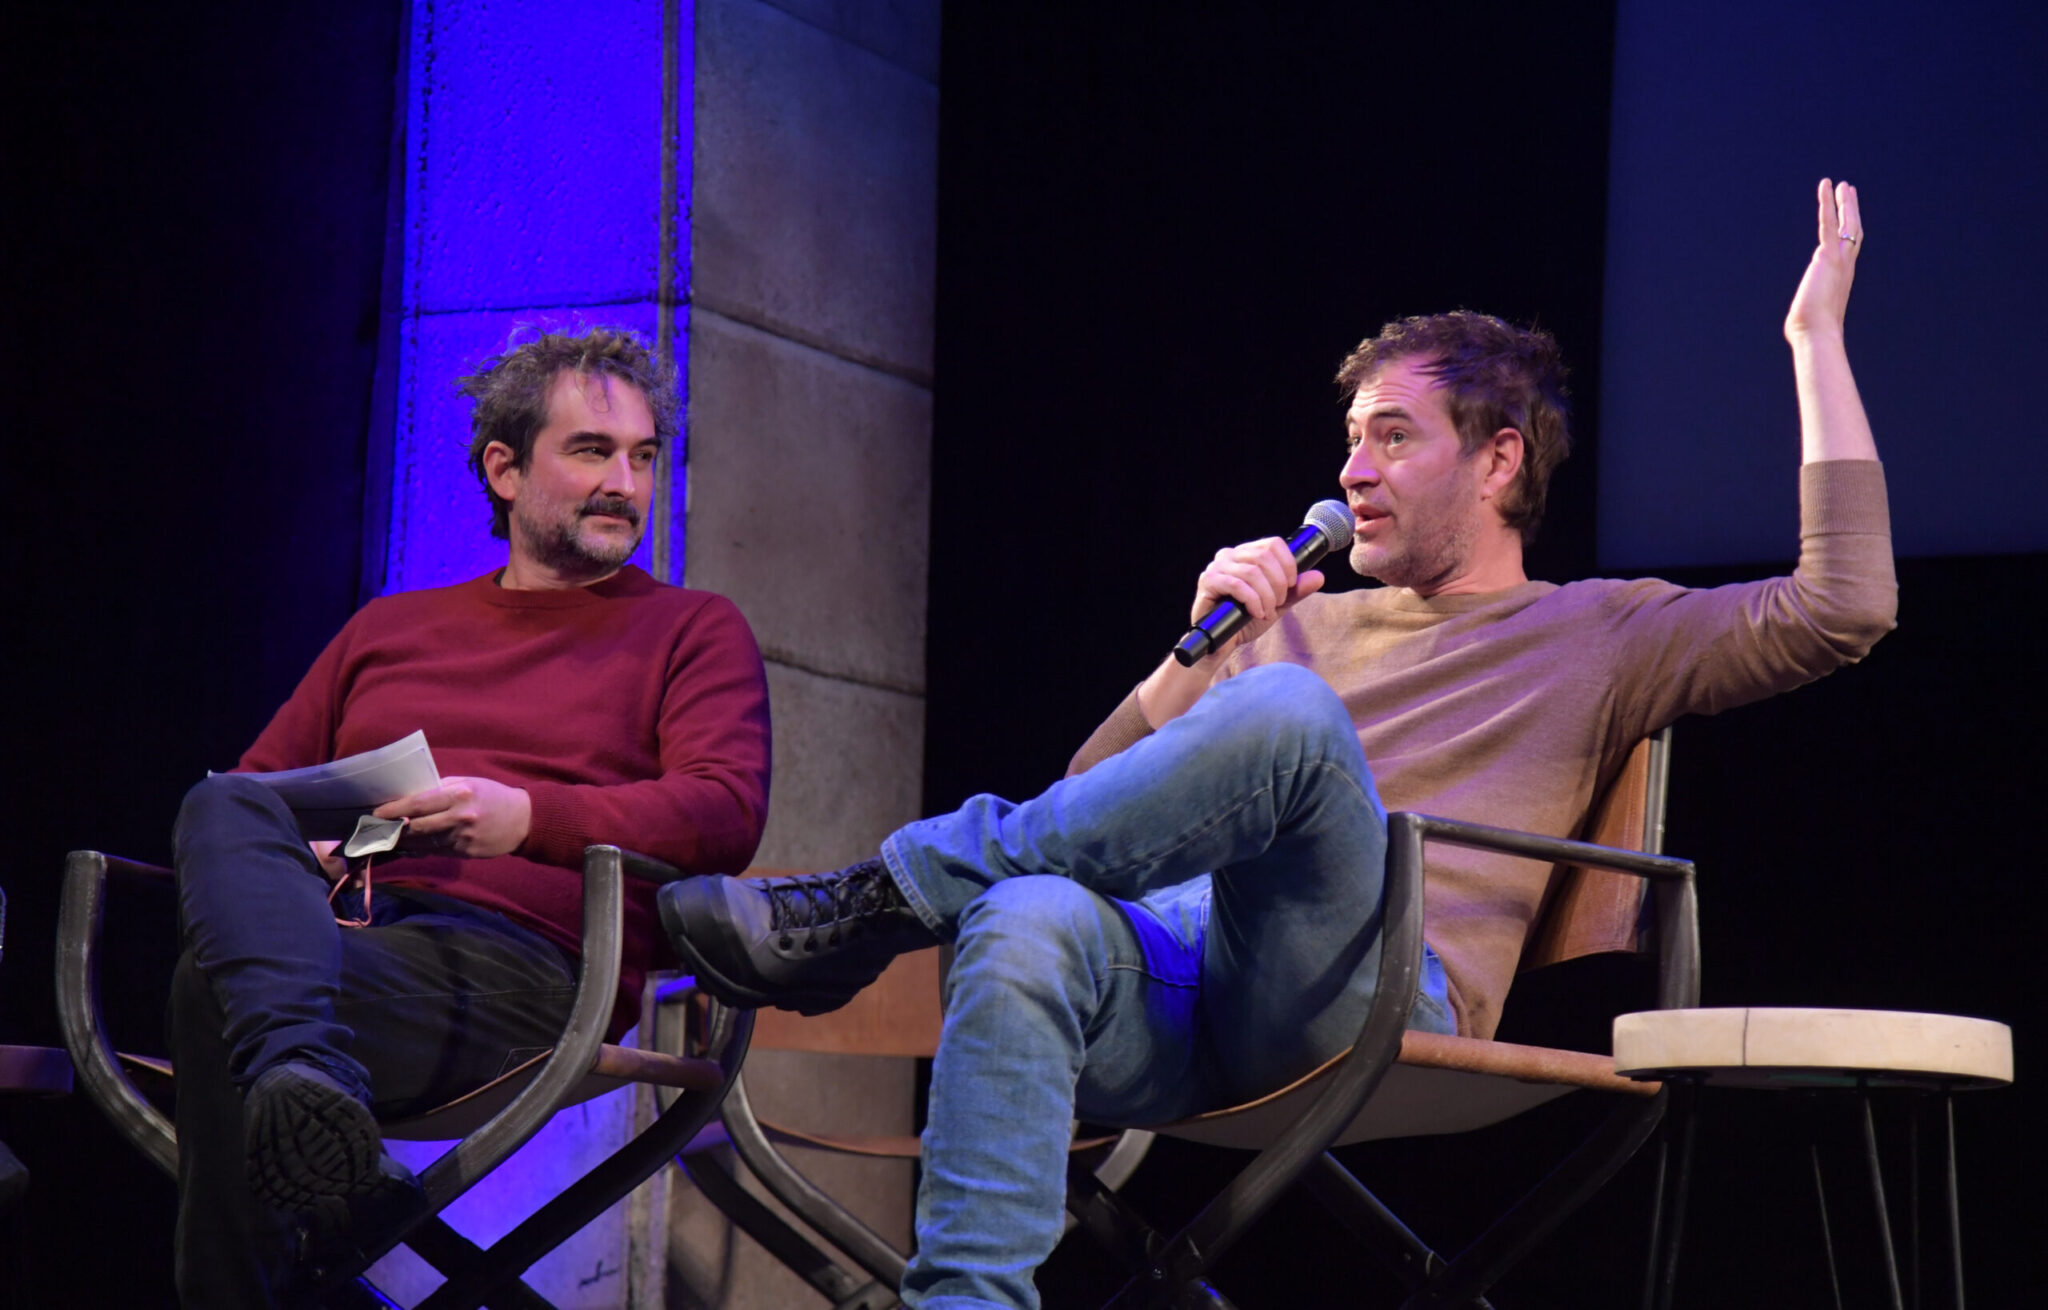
x=1851, y=240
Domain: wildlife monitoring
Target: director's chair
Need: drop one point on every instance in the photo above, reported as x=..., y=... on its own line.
x=492, y=1122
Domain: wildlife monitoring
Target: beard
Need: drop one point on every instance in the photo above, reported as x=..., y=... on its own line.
x=1436, y=540
x=556, y=536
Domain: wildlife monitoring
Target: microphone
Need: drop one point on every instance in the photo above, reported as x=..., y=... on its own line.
x=1325, y=528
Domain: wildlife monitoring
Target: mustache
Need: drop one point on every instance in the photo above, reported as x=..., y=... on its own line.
x=614, y=506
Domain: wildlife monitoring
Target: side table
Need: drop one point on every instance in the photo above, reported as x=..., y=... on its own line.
x=1784, y=1049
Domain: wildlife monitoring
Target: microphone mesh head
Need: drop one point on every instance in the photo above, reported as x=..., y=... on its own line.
x=1333, y=519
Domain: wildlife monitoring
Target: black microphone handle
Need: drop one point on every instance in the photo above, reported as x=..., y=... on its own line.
x=1308, y=545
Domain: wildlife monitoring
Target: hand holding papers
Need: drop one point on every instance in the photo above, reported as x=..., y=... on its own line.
x=329, y=799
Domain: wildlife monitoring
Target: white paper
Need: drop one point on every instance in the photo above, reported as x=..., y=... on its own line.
x=328, y=798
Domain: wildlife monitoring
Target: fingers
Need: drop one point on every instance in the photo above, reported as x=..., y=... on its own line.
x=1850, y=217
x=433, y=800
x=1257, y=575
x=1841, y=218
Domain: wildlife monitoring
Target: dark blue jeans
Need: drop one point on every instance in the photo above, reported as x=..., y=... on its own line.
x=434, y=998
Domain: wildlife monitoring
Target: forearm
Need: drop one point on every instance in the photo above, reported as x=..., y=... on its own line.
x=1164, y=696
x=701, y=822
x=1832, y=422
x=1172, y=689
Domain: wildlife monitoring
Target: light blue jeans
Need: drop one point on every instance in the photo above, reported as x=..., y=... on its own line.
x=1102, y=970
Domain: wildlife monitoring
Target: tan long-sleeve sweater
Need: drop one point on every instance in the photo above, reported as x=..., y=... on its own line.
x=1517, y=707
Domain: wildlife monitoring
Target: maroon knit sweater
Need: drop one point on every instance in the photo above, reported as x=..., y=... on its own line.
x=632, y=712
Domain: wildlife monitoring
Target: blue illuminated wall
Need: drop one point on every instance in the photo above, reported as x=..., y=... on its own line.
x=545, y=185
x=1724, y=118
x=541, y=179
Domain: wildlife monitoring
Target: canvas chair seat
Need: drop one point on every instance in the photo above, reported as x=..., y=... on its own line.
x=1440, y=1084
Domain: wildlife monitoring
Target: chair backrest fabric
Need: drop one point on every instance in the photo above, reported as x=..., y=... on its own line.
x=1590, y=911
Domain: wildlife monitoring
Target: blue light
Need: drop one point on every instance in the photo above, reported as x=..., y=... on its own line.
x=533, y=197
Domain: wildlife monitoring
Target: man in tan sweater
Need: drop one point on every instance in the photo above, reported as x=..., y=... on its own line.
x=1192, y=917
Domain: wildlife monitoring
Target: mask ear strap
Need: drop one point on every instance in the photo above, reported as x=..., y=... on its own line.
x=359, y=867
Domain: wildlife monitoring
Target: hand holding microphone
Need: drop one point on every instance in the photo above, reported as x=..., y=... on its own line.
x=1327, y=527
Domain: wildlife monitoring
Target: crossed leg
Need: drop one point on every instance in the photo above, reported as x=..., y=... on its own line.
x=433, y=998
x=1099, y=967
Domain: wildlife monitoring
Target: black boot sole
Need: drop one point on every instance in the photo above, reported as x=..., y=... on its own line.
x=308, y=1144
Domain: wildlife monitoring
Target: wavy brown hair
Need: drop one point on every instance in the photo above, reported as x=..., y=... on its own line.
x=1494, y=376
x=511, y=392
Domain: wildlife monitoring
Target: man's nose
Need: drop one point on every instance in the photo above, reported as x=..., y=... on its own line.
x=1359, y=470
x=619, y=476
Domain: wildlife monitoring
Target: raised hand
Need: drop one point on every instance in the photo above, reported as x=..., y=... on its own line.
x=1822, y=301
x=1832, y=424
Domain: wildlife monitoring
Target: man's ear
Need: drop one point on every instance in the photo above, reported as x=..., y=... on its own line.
x=1502, y=454
x=501, y=471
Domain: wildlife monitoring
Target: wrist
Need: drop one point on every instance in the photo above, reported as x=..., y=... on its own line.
x=1173, y=687
x=1808, y=339
x=522, y=817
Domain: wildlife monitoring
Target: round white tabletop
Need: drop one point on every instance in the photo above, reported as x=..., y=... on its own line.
x=1789, y=1049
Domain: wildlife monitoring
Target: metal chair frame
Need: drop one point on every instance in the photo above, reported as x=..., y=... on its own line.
x=474, y=1274
x=872, y=1255
x=1170, y=1270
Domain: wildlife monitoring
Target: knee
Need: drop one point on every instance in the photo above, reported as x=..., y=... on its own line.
x=228, y=798
x=1296, y=710
x=1031, y=931
x=228, y=807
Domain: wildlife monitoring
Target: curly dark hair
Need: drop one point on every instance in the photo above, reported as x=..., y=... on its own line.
x=1496, y=376
x=511, y=392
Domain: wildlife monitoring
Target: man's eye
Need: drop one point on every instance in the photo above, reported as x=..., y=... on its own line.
x=1396, y=437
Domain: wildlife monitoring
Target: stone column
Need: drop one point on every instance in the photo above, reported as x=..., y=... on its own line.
x=810, y=370
x=752, y=185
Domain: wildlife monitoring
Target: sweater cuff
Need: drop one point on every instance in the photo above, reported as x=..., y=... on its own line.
x=1843, y=495
x=552, y=834
x=1125, y=727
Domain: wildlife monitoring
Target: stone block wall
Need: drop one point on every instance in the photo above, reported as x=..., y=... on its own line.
x=813, y=246
x=751, y=185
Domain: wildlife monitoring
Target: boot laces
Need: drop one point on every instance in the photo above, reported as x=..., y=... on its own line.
x=829, y=906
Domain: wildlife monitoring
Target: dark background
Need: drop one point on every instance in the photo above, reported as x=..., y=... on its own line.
x=1156, y=239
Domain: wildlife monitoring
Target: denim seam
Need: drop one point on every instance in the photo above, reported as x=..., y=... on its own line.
x=913, y=893
x=1163, y=982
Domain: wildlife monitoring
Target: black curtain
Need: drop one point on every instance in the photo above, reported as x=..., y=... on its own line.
x=1160, y=229
x=196, y=219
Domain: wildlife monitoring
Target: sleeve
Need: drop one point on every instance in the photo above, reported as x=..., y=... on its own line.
x=1699, y=652
x=706, y=810
x=1124, y=728
x=304, y=729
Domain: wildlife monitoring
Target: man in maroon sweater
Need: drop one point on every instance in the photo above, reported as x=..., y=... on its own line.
x=569, y=699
